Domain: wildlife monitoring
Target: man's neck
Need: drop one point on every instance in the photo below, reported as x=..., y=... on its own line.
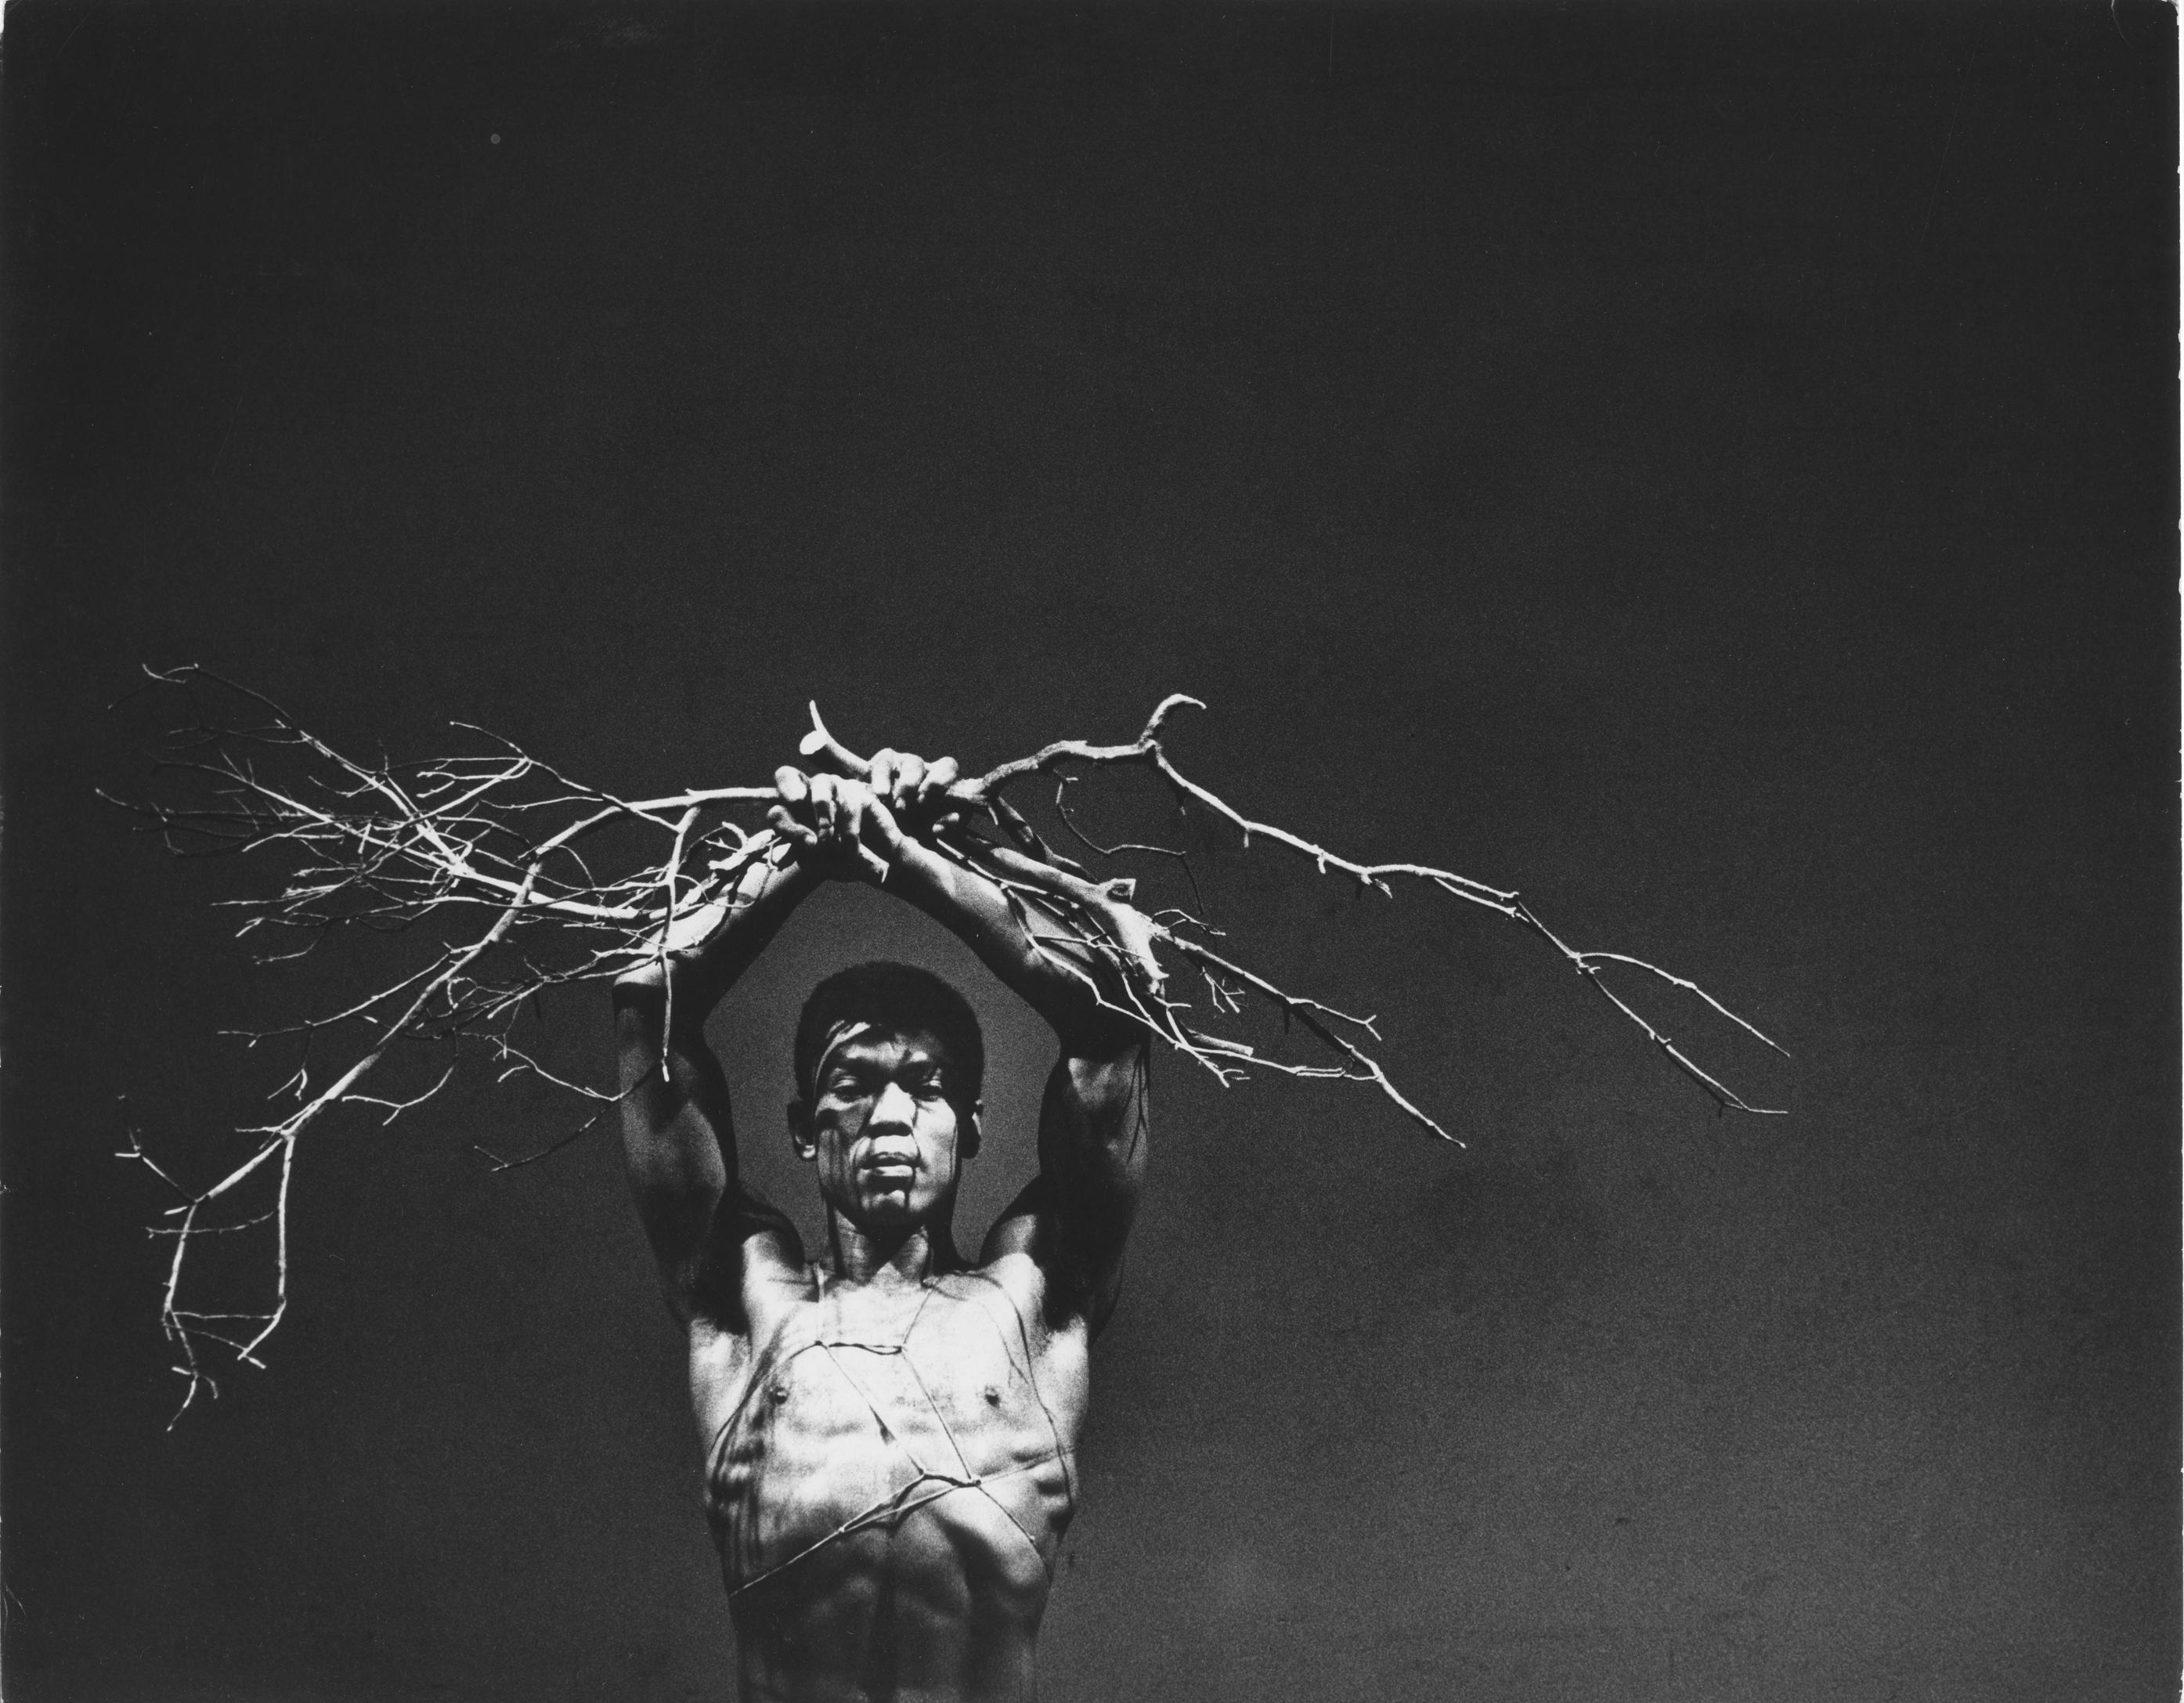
x=860, y=1256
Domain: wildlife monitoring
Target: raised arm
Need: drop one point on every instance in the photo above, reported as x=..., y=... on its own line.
x=678, y=1140
x=1074, y=1216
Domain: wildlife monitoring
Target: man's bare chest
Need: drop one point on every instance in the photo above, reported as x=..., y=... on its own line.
x=938, y=1411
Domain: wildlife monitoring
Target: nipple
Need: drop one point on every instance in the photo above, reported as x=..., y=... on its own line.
x=993, y=1396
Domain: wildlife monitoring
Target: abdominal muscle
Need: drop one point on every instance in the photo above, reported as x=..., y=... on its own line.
x=890, y=1478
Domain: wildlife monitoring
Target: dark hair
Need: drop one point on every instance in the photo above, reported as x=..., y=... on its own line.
x=900, y=998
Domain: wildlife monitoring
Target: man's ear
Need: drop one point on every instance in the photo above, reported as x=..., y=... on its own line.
x=969, y=1134
x=801, y=1136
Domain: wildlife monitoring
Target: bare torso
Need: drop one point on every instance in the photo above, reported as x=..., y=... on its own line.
x=889, y=1436
x=889, y=1470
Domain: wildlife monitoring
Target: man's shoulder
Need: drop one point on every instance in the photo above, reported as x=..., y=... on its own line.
x=1013, y=1282
x=748, y=1296
x=1012, y=1269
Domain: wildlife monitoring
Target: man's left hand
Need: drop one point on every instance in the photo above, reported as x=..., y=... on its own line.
x=916, y=791
x=839, y=825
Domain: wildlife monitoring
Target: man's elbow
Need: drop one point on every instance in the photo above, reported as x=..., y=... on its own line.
x=1101, y=1076
x=644, y=985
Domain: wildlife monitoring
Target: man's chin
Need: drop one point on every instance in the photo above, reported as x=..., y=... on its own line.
x=890, y=1209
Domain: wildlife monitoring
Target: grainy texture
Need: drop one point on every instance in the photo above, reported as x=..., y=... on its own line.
x=1712, y=469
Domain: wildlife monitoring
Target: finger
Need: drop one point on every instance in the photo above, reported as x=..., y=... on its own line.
x=884, y=827
x=791, y=785
x=908, y=781
x=850, y=826
x=825, y=798
x=795, y=832
x=939, y=777
x=885, y=766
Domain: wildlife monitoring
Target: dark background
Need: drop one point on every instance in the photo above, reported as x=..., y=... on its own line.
x=1714, y=468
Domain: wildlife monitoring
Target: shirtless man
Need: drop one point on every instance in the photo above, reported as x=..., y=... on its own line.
x=889, y=1428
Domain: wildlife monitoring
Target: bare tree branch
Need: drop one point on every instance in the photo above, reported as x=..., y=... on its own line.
x=486, y=854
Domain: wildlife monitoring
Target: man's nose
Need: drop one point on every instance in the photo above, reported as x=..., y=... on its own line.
x=894, y=1109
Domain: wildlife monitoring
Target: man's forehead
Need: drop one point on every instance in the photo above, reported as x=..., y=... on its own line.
x=866, y=1042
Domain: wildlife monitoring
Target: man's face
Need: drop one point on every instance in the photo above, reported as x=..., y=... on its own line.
x=881, y=1128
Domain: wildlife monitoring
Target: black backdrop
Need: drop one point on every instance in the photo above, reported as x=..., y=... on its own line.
x=1715, y=467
